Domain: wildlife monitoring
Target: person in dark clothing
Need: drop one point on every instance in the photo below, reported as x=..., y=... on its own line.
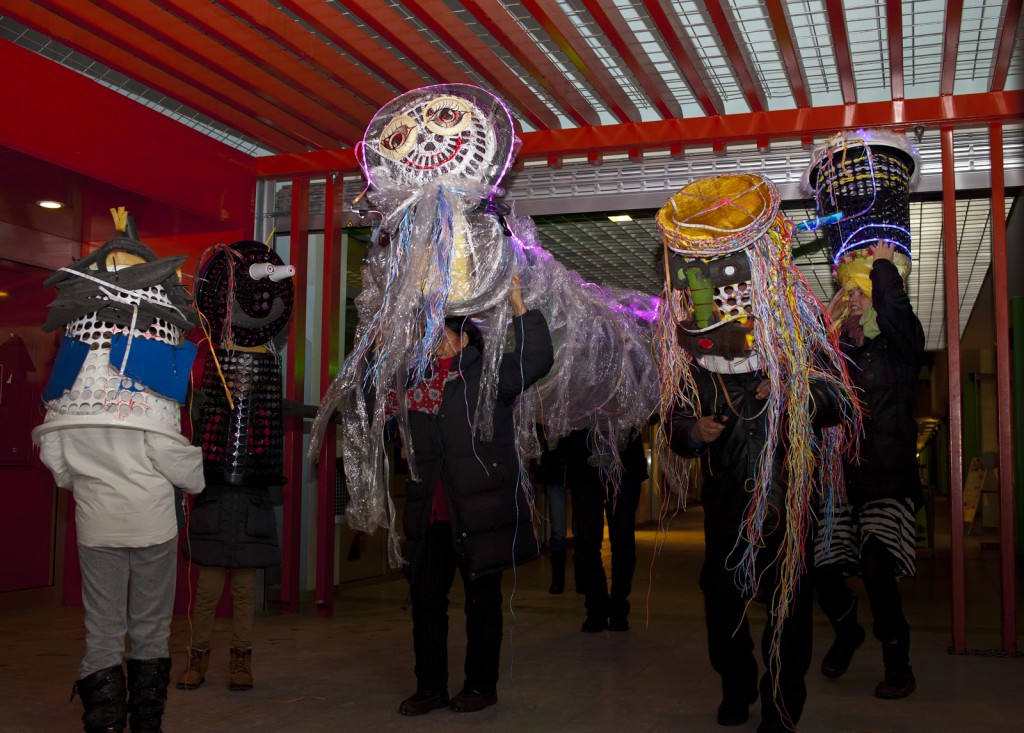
x=602, y=491
x=728, y=437
x=551, y=473
x=874, y=535
x=467, y=512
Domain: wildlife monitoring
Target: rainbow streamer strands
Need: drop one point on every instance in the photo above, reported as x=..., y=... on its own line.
x=863, y=178
x=793, y=346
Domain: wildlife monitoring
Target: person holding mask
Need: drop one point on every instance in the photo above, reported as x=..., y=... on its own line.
x=874, y=535
x=467, y=512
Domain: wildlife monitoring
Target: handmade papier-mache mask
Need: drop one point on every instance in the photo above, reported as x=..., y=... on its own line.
x=708, y=228
x=246, y=293
x=861, y=183
x=122, y=362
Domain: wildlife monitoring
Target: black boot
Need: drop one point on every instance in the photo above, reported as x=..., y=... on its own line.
x=849, y=636
x=557, y=573
x=899, y=677
x=103, y=696
x=147, y=693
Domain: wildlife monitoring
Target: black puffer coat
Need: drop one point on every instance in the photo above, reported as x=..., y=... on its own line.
x=233, y=527
x=481, y=478
x=885, y=371
x=730, y=463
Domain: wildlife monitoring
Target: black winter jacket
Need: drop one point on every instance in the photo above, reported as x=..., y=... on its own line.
x=233, y=527
x=481, y=478
x=730, y=463
x=885, y=372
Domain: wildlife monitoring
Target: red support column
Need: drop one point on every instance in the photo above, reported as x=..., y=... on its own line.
x=295, y=378
x=956, y=448
x=329, y=350
x=1004, y=397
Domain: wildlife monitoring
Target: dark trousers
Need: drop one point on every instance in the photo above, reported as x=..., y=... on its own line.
x=731, y=648
x=878, y=570
x=430, y=588
x=591, y=506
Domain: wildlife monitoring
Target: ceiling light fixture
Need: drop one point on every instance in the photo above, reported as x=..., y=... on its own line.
x=48, y=204
x=620, y=217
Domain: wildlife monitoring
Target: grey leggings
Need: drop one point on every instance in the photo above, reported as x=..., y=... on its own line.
x=126, y=590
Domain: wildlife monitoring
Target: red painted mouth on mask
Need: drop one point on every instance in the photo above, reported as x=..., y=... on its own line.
x=438, y=163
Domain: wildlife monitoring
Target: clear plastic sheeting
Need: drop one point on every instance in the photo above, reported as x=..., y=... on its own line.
x=447, y=245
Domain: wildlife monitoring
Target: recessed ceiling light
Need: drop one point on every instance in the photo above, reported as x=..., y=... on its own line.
x=620, y=217
x=47, y=204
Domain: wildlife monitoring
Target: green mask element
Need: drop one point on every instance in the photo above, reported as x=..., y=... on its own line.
x=869, y=322
x=702, y=293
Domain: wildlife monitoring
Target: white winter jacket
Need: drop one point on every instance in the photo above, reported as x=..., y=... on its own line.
x=123, y=481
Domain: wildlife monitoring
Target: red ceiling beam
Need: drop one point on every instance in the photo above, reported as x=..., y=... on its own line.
x=495, y=18
x=735, y=53
x=394, y=28
x=963, y=110
x=667, y=22
x=610, y=19
x=112, y=139
x=783, y=37
x=894, y=27
x=354, y=41
x=1004, y=49
x=320, y=58
x=221, y=42
x=950, y=45
x=563, y=32
x=246, y=113
x=841, y=47
x=266, y=57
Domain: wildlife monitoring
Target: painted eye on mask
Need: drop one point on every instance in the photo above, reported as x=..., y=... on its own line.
x=447, y=116
x=399, y=137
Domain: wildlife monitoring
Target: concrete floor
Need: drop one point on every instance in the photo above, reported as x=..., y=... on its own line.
x=349, y=672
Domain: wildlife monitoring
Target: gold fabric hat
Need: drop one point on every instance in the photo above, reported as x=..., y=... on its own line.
x=718, y=215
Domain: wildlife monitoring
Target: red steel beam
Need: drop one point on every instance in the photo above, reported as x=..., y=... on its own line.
x=894, y=28
x=963, y=110
x=667, y=23
x=321, y=60
x=394, y=28
x=734, y=52
x=330, y=306
x=783, y=37
x=950, y=45
x=1004, y=397
x=958, y=588
x=493, y=16
x=186, y=170
x=563, y=32
x=354, y=41
x=841, y=45
x=1004, y=48
x=610, y=19
x=294, y=389
x=246, y=113
x=230, y=48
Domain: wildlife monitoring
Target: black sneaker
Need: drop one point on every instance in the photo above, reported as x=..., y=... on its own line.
x=422, y=702
x=838, y=657
x=469, y=701
x=897, y=684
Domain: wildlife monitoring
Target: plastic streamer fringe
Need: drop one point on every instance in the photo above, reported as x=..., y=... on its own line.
x=452, y=248
x=796, y=346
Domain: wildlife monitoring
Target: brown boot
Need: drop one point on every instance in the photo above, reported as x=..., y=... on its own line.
x=241, y=669
x=195, y=671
